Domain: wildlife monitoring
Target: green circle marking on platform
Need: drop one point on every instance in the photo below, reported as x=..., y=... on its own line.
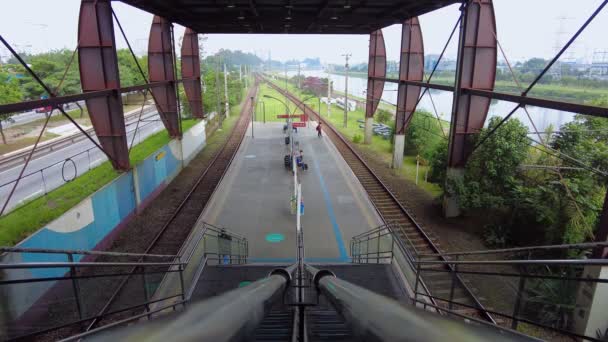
x=244, y=283
x=275, y=237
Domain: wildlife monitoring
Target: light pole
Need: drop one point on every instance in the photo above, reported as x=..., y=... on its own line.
x=287, y=120
x=346, y=91
x=319, y=104
x=329, y=82
x=226, y=91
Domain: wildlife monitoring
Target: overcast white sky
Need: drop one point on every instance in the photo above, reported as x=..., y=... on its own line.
x=526, y=28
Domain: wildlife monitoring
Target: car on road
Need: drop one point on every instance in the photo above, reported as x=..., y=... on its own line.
x=44, y=109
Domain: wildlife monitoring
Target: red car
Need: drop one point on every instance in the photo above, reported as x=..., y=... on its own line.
x=44, y=109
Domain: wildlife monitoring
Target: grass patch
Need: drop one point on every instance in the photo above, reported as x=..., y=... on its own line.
x=28, y=218
x=23, y=143
x=21, y=222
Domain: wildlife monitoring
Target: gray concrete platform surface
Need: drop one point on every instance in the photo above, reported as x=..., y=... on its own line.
x=254, y=197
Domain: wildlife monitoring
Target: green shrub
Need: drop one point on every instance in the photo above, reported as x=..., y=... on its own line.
x=496, y=235
x=357, y=138
x=438, y=163
x=384, y=116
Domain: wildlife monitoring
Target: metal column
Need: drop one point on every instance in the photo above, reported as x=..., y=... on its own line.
x=411, y=68
x=160, y=69
x=191, y=72
x=376, y=68
x=98, y=66
x=477, y=70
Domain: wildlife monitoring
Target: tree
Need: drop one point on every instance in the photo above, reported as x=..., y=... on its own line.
x=491, y=173
x=422, y=134
x=9, y=93
x=383, y=116
x=128, y=70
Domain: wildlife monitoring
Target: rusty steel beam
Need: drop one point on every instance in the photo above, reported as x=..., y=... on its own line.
x=55, y=101
x=98, y=66
x=539, y=102
x=411, y=68
x=161, y=68
x=376, y=71
x=514, y=98
x=477, y=71
x=191, y=72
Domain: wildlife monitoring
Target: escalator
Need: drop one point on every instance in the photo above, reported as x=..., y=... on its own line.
x=258, y=303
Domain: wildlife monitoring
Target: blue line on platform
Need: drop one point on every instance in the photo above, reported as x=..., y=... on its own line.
x=332, y=215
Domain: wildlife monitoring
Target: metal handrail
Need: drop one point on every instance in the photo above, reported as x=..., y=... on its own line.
x=591, y=262
x=520, y=319
x=177, y=265
x=408, y=258
x=79, y=252
x=523, y=249
x=378, y=318
x=518, y=275
x=26, y=265
x=29, y=336
x=242, y=310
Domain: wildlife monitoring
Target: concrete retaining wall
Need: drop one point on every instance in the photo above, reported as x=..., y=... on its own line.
x=96, y=221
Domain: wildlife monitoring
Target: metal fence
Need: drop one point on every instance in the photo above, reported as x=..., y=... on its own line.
x=43, y=180
x=537, y=290
x=63, y=291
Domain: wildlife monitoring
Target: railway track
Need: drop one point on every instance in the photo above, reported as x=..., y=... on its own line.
x=392, y=211
x=171, y=236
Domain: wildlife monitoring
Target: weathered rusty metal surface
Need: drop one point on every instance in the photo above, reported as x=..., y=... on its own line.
x=478, y=72
x=99, y=71
x=376, y=68
x=161, y=68
x=411, y=68
x=191, y=72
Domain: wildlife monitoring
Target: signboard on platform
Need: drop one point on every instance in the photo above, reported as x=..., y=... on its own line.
x=285, y=116
x=304, y=117
x=298, y=124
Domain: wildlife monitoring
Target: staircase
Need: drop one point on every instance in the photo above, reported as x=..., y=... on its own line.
x=325, y=324
x=276, y=326
x=322, y=321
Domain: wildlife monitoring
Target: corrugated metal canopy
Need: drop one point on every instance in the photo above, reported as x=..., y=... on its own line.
x=288, y=16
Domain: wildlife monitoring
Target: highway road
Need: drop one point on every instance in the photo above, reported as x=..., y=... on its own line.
x=23, y=118
x=65, y=164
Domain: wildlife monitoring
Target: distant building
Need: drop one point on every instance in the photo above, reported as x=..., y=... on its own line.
x=445, y=64
x=599, y=69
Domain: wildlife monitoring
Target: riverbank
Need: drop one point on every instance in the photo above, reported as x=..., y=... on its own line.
x=554, y=91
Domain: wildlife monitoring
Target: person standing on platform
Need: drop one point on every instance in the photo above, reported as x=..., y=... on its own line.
x=319, y=131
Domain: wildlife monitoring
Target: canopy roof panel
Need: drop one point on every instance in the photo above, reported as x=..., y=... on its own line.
x=288, y=16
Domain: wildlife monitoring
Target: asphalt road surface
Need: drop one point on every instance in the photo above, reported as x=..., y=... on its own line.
x=23, y=118
x=57, y=168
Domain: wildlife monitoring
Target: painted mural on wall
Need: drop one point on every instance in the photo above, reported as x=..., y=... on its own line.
x=95, y=222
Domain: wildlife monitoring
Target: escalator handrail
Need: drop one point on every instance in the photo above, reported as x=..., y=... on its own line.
x=373, y=317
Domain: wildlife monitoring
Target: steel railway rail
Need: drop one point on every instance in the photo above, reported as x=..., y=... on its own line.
x=392, y=211
x=170, y=237
x=126, y=293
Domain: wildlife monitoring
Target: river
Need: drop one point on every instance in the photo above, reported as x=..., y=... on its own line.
x=357, y=86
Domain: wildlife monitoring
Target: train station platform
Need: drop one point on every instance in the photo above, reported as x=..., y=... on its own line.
x=254, y=197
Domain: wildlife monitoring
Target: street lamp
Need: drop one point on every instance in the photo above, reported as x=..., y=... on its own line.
x=319, y=104
x=252, y=116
